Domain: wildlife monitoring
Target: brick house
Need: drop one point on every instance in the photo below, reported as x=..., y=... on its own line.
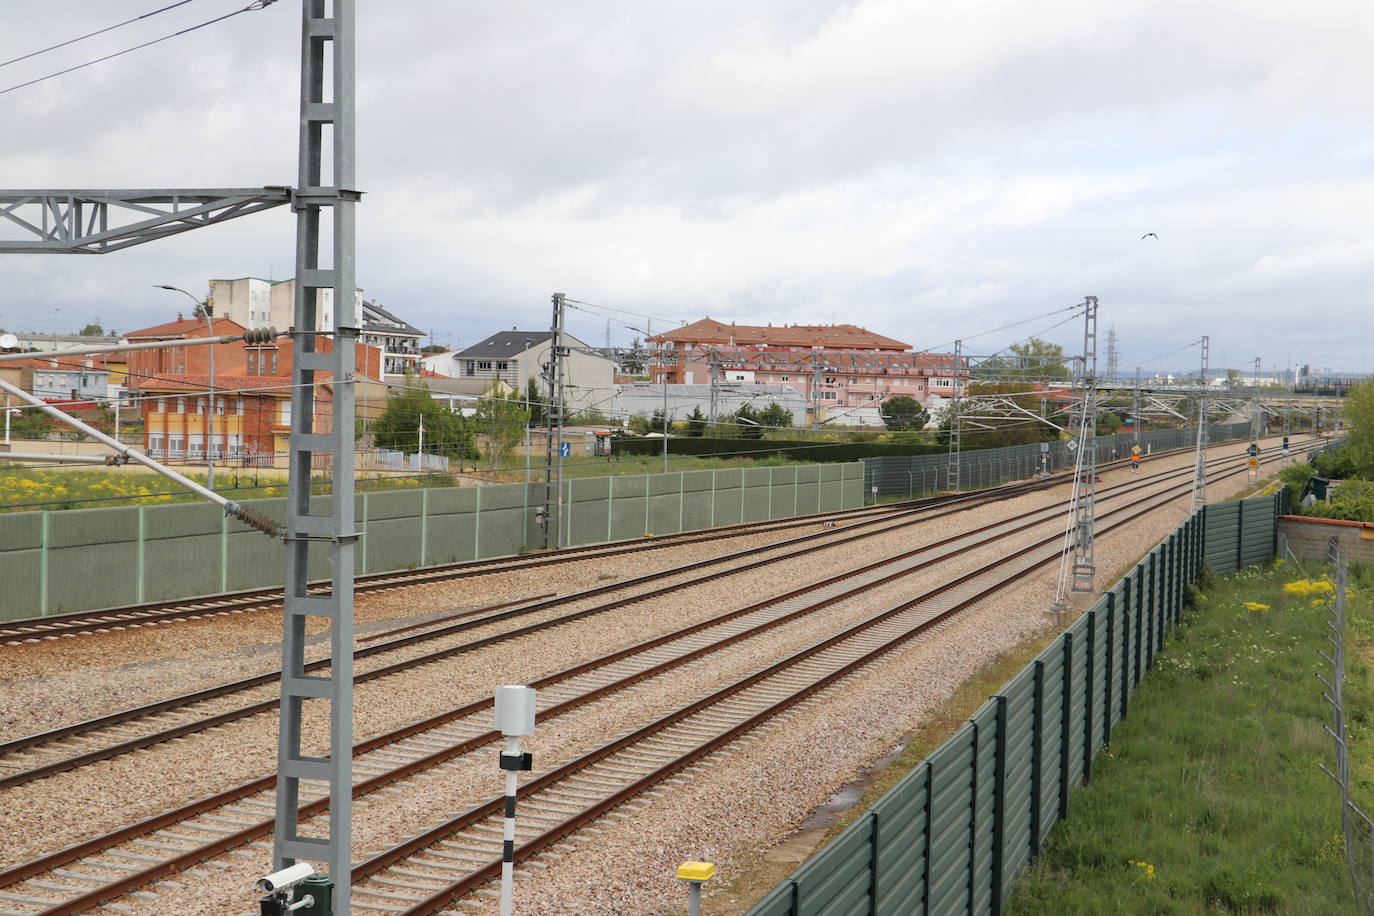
x=251, y=424
x=845, y=371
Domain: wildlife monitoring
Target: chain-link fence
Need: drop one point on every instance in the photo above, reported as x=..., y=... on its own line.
x=1356, y=826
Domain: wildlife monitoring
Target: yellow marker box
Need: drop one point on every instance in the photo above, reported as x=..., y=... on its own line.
x=696, y=871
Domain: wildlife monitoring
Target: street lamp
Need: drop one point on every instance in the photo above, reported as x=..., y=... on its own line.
x=210, y=417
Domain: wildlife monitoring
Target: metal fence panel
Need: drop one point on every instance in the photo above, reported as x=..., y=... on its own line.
x=840, y=880
x=958, y=828
x=906, y=476
x=83, y=559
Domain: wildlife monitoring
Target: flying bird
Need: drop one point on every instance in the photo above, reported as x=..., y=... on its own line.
x=1149, y=235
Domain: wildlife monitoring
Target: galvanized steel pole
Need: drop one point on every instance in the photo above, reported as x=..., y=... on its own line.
x=327, y=47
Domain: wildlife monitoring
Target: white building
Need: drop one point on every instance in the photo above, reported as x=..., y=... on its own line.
x=258, y=303
x=514, y=357
x=647, y=397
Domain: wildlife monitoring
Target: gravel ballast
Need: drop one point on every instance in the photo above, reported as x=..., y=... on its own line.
x=817, y=749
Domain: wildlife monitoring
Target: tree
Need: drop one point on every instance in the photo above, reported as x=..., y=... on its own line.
x=1359, y=418
x=696, y=422
x=1232, y=379
x=93, y=330
x=776, y=416
x=1033, y=359
x=659, y=422
x=534, y=401
x=901, y=412
x=750, y=422
x=501, y=416
x=398, y=427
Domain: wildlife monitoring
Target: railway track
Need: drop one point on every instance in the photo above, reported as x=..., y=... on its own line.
x=44, y=754
x=35, y=756
x=57, y=626
x=422, y=875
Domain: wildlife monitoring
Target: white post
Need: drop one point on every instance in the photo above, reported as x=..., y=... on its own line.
x=514, y=718
x=422, y=439
x=7, y=419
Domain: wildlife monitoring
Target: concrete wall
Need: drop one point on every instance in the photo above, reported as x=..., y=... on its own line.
x=82, y=559
x=1310, y=538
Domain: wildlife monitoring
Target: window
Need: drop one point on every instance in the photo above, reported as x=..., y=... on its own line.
x=160, y=405
x=155, y=446
x=274, y=362
x=784, y=378
x=284, y=413
x=484, y=365
x=200, y=405
x=830, y=379
x=181, y=405
x=238, y=406
x=828, y=395
x=175, y=447
x=501, y=367
x=468, y=366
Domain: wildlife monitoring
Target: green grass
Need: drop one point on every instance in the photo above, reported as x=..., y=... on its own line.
x=24, y=490
x=1210, y=799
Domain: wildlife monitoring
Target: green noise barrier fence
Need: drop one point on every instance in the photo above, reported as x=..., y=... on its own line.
x=905, y=476
x=55, y=562
x=952, y=835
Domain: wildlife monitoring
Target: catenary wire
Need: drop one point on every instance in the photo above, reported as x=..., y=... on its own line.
x=108, y=28
x=252, y=7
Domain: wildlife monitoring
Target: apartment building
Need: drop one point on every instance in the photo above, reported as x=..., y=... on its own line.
x=843, y=371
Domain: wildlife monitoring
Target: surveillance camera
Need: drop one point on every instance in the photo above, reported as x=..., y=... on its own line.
x=285, y=879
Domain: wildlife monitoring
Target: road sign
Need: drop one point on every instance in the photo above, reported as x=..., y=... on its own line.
x=1253, y=463
x=565, y=450
x=1071, y=445
x=1135, y=450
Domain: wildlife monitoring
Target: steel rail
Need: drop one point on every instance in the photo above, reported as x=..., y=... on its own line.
x=558, y=709
x=524, y=608
x=481, y=812
x=266, y=705
x=29, y=629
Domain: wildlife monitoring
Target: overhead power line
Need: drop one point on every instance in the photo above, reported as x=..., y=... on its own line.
x=108, y=28
x=252, y=7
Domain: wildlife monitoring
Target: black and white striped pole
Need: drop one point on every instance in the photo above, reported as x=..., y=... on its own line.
x=514, y=718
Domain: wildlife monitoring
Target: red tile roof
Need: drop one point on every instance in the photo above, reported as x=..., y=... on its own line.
x=187, y=327
x=828, y=336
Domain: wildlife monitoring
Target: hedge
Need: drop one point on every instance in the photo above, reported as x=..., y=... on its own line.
x=762, y=448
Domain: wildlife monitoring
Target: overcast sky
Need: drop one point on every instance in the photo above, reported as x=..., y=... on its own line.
x=926, y=169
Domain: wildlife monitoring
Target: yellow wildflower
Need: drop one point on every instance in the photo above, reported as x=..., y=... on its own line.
x=1256, y=606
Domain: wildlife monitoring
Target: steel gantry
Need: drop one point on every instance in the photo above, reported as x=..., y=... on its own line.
x=952, y=475
x=102, y=221
x=327, y=47
x=1084, y=569
x=1200, y=471
x=551, y=518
